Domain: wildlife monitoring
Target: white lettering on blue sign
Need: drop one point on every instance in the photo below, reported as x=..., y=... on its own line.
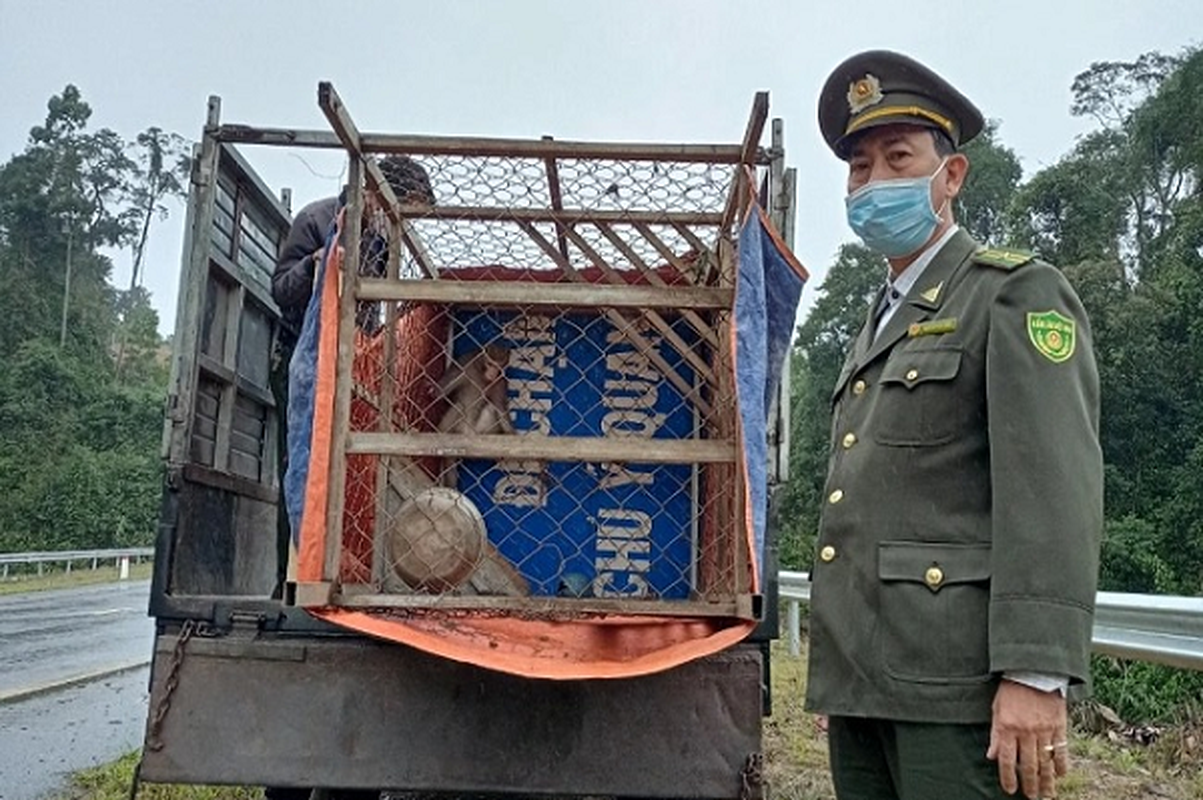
x=623, y=559
x=529, y=377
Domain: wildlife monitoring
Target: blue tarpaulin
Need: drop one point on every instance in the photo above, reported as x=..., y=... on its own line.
x=767, y=291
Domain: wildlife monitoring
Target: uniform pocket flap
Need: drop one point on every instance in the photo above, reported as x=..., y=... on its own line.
x=911, y=368
x=934, y=564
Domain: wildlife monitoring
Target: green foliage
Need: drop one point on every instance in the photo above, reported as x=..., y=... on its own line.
x=1128, y=563
x=80, y=402
x=994, y=172
x=1143, y=692
x=818, y=355
x=1075, y=210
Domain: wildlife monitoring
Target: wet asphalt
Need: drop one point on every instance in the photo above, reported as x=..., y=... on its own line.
x=73, y=683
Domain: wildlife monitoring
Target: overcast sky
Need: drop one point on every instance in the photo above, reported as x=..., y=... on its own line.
x=643, y=70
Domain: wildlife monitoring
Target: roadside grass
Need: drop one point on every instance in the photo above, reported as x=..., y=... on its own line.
x=76, y=577
x=1103, y=766
x=112, y=782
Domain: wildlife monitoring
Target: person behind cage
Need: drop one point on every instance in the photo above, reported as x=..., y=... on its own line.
x=957, y=552
x=292, y=288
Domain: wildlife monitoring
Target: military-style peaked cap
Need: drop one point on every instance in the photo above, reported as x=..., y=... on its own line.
x=880, y=87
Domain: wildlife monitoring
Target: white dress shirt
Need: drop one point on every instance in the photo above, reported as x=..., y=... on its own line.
x=897, y=287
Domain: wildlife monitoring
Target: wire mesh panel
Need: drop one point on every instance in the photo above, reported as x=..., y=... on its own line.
x=541, y=415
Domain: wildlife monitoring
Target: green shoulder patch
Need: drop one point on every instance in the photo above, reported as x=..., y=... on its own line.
x=1053, y=334
x=1002, y=258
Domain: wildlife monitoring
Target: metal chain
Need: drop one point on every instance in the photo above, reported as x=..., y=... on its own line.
x=752, y=777
x=153, y=742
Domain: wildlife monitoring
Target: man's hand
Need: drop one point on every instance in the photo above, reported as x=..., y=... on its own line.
x=320, y=253
x=1028, y=738
x=315, y=258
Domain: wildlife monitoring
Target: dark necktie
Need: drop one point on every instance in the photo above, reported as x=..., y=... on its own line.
x=888, y=298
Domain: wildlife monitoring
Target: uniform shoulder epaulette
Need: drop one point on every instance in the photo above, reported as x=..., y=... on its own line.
x=1002, y=258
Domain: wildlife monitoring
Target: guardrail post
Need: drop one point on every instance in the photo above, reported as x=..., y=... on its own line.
x=794, y=623
x=124, y=568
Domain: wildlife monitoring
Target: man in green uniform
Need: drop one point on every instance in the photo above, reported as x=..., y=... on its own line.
x=958, y=550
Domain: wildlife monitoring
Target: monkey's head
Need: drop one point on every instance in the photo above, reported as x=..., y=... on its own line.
x=483, y=369
x=496, y=357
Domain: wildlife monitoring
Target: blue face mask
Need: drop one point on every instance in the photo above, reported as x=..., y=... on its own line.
x=894, y=217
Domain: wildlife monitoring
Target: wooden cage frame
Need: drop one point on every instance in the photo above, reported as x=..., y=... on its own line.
x=614, y=297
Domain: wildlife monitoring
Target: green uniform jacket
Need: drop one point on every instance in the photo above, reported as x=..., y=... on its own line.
x=963, y=511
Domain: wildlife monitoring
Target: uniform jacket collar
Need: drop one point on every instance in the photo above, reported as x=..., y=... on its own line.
x=922, y=301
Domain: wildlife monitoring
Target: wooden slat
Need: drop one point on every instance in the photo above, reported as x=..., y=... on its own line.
x=314, y=594
x=657, y=321
x=350, y=138
x=528, y=607
x=626, y=327
x=700, y=325
x=556, y=193
x=567, y=216
x=215, y=368
x=482, y=146
x=232, y=316
x=338, y=117
x=418, y=248
x=666, y=252
x=777, y=173
x=392, y=208
x=197, y=473
x=737, y=197
x=253, y=391
x=790, y=215
x=222, y=264
x=537, y=447
x=694, y=240
x=727, y=263
x=704, y=252
x=560, y=295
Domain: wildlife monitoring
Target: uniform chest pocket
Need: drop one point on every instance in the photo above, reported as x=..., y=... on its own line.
x=918, y=404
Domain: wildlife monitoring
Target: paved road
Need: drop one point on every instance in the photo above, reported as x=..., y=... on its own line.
x=72, y=682
x=50, y=637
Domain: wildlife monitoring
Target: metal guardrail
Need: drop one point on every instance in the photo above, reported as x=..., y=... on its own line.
x=69, y=557
x=1159, y=629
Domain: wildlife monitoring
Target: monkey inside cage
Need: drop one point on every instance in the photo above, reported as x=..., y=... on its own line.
x=526, y=380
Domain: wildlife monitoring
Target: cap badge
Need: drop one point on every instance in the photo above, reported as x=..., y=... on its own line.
x=864, y=93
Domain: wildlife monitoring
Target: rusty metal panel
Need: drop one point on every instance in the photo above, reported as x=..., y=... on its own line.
x=354, y=713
